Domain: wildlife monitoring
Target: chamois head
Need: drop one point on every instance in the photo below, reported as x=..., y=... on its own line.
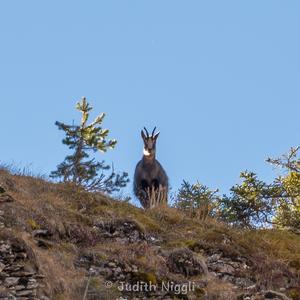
x=149, y=142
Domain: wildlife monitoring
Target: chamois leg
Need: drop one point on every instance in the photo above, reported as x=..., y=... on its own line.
x=143, y=194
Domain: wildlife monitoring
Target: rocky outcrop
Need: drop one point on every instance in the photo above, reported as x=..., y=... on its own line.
x=185, y=262
x=121, y=230
x=58, y=243
x=5, y=197
x=19, y=276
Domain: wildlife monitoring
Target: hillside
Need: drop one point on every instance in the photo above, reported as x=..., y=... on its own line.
x=60, y=243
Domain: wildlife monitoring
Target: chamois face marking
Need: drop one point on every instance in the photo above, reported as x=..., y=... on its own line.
x=146, y=152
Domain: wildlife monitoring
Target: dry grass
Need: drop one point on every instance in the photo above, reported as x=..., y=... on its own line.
x=69, y=215
x=157, y=197
x=217, y=290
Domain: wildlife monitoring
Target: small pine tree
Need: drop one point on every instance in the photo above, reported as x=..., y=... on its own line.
x=196, y=200
x=78, y=168
x=251, y=203
x=255, y=203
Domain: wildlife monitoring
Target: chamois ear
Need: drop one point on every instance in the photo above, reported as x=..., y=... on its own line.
x=143, y=135
x=156, y=136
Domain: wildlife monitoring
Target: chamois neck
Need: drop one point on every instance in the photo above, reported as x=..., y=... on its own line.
x=148, y=159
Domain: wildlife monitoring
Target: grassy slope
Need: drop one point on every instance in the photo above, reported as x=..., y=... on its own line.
x=70, y=216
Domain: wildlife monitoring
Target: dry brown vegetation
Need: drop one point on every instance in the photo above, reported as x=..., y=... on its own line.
x=81, y=230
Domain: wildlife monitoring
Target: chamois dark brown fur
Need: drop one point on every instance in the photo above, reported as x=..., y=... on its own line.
x=150, y=179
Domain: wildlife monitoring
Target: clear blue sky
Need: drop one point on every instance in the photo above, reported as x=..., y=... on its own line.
x=220, y=79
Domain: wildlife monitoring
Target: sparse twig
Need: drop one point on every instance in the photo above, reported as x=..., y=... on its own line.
x=86, y=288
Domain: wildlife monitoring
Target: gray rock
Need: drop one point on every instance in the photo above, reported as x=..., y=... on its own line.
x=185, y=262
x=4, y=248
x=20, y=287
x=226, y=269
x=273, y=294
x=215, y=257
x=134, y=268
x=111, y=264
x=43, y=233
x=244, y=283
x=23, y=274
x=2, y=266
x=10, y=281
x=26, y=293
x=32, y=286
x=13, y=268
x=6, y=198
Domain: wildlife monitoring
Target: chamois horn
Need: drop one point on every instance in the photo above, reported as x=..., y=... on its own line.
x=153, y=131
x=146, y=132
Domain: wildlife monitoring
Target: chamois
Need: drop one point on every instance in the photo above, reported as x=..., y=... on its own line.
x=150, y=179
